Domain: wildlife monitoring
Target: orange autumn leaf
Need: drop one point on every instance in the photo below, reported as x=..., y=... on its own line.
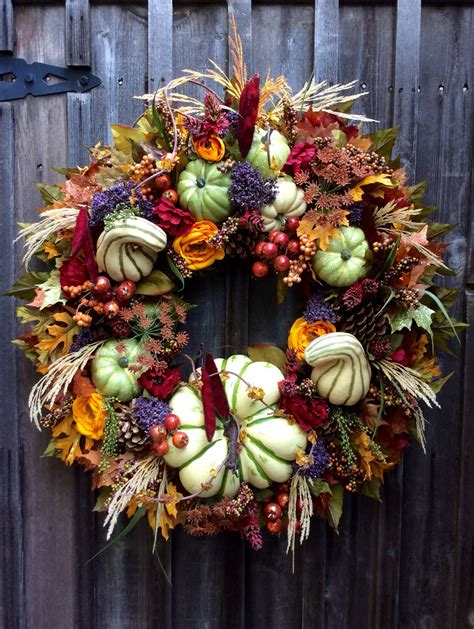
x=361, y=143
x=171, y=499
x=370, y=464
x=322, y=232
x=82, y=385
x=67, y=441
x=50, y=250
x=59, y=337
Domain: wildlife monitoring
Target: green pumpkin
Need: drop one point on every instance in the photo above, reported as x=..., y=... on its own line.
x=268, y=154
x=202, y=190
x=110, y=373
x=346, y=259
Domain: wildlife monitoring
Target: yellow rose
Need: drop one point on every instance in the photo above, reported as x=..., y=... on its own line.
x=89, y=414
x=194, y=245
x=212, y=150
x=302, y=333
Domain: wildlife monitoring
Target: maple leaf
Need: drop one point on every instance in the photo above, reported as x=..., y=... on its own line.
x=357, y=192
x=80, y=189
x=38, y=300
x=50, y=250
x=421, y=316
x=322, y=232
x=58, y=335
x=51, y=292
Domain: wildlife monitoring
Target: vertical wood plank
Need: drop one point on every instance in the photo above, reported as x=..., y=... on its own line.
x=326, y=40
x=6, y=26
x=78, y=48
x=431, y=483
x=12, y=602
x=160, y=43
x=407, y=61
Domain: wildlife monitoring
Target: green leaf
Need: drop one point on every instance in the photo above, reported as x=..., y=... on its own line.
x=157, y=283
x=317, y=486
x=267, y=353
x=35, y=318
x=50, y=194
x=125, y=137
x=176, y=272
x=440, y=305
x=371, y=488
x=261, y=494
x=159, y=124
x=52, y=291
x=421, y=316
x=339, y=137
x=104, y=493
x=390, y=259
x=383, y=141
x=51, y=449
x=437, y=385
x=24, y=287
x=281, y=289
x=131, y=525
x=29, y=351
x=436, y=230
x=335, y=506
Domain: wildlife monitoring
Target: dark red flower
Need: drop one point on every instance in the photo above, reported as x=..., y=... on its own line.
x=160, y=383
x=173, y=220
x=72, y=273
x=248, y=112
x=309, y=413
x=301, y=156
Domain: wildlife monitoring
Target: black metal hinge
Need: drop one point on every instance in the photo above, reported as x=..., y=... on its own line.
x=19, y=78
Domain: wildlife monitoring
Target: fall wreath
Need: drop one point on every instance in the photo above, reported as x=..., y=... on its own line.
x=253, y=442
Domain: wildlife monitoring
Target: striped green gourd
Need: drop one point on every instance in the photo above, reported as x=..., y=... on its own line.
x=345, y=260
x=128, y=249
x=202, y=190
x=110, y=369
x=268, y=442
x=341, y=370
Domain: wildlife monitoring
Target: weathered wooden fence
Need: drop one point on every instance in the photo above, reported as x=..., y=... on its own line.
x=404, y=563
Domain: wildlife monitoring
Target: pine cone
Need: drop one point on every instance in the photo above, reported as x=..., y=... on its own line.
x=130, y=435
x=363, y=323
x=241, y=244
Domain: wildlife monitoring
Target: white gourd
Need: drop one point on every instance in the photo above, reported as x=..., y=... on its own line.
x=289, y=201
x=268, y=442
x=341, y=370
x=129, y=248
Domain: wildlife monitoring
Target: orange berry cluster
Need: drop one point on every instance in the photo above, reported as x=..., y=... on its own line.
x=75, y=291
x=83, y=320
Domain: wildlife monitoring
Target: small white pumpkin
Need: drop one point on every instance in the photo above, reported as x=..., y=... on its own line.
x=128, y=249
x=289, y=201
x=268, y=443
x=341, y=370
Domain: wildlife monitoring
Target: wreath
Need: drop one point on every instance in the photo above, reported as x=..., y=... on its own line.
x=248, y=443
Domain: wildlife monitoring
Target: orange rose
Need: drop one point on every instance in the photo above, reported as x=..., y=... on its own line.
x=212, y=150
x=302, y=333
x=89, y=414
x=194, y=245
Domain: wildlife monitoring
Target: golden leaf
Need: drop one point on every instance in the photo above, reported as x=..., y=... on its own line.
x=51, y=250
x=59, y=335
x=357, y=191
x=165, y=523
x=322, y=232
x=171, y=499
x=68, y=445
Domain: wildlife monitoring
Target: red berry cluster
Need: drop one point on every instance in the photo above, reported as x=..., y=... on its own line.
x=160, y=433
x=111, y=299
x=277, y=250
x=274, y=511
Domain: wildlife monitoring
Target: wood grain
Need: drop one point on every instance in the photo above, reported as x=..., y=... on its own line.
x=403, y=563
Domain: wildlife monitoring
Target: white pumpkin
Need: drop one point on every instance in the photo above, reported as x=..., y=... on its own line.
x=268, y=443
x=128, y=249
x=341, y=370
x=289, y=201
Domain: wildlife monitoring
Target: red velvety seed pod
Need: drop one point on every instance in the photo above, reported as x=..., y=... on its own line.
x=171, y=195
x=172, y=422
x=125, y=290
x=274, y=527
x=282, y=263
x=157, y=433
x=111, y=309
x=269, y=250
x=160, y=448
x=293, y=247
x=292, y=224
x=102, y=285
x=180, y=439
x=272, y=511
x=281, y=240
x=283, y=499
x=259, y=269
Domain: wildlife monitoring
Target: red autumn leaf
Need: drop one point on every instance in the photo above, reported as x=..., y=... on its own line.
x=83, y=240
x=208, y=404
x=221, y=404
x=72, y=273
x=248, y=111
